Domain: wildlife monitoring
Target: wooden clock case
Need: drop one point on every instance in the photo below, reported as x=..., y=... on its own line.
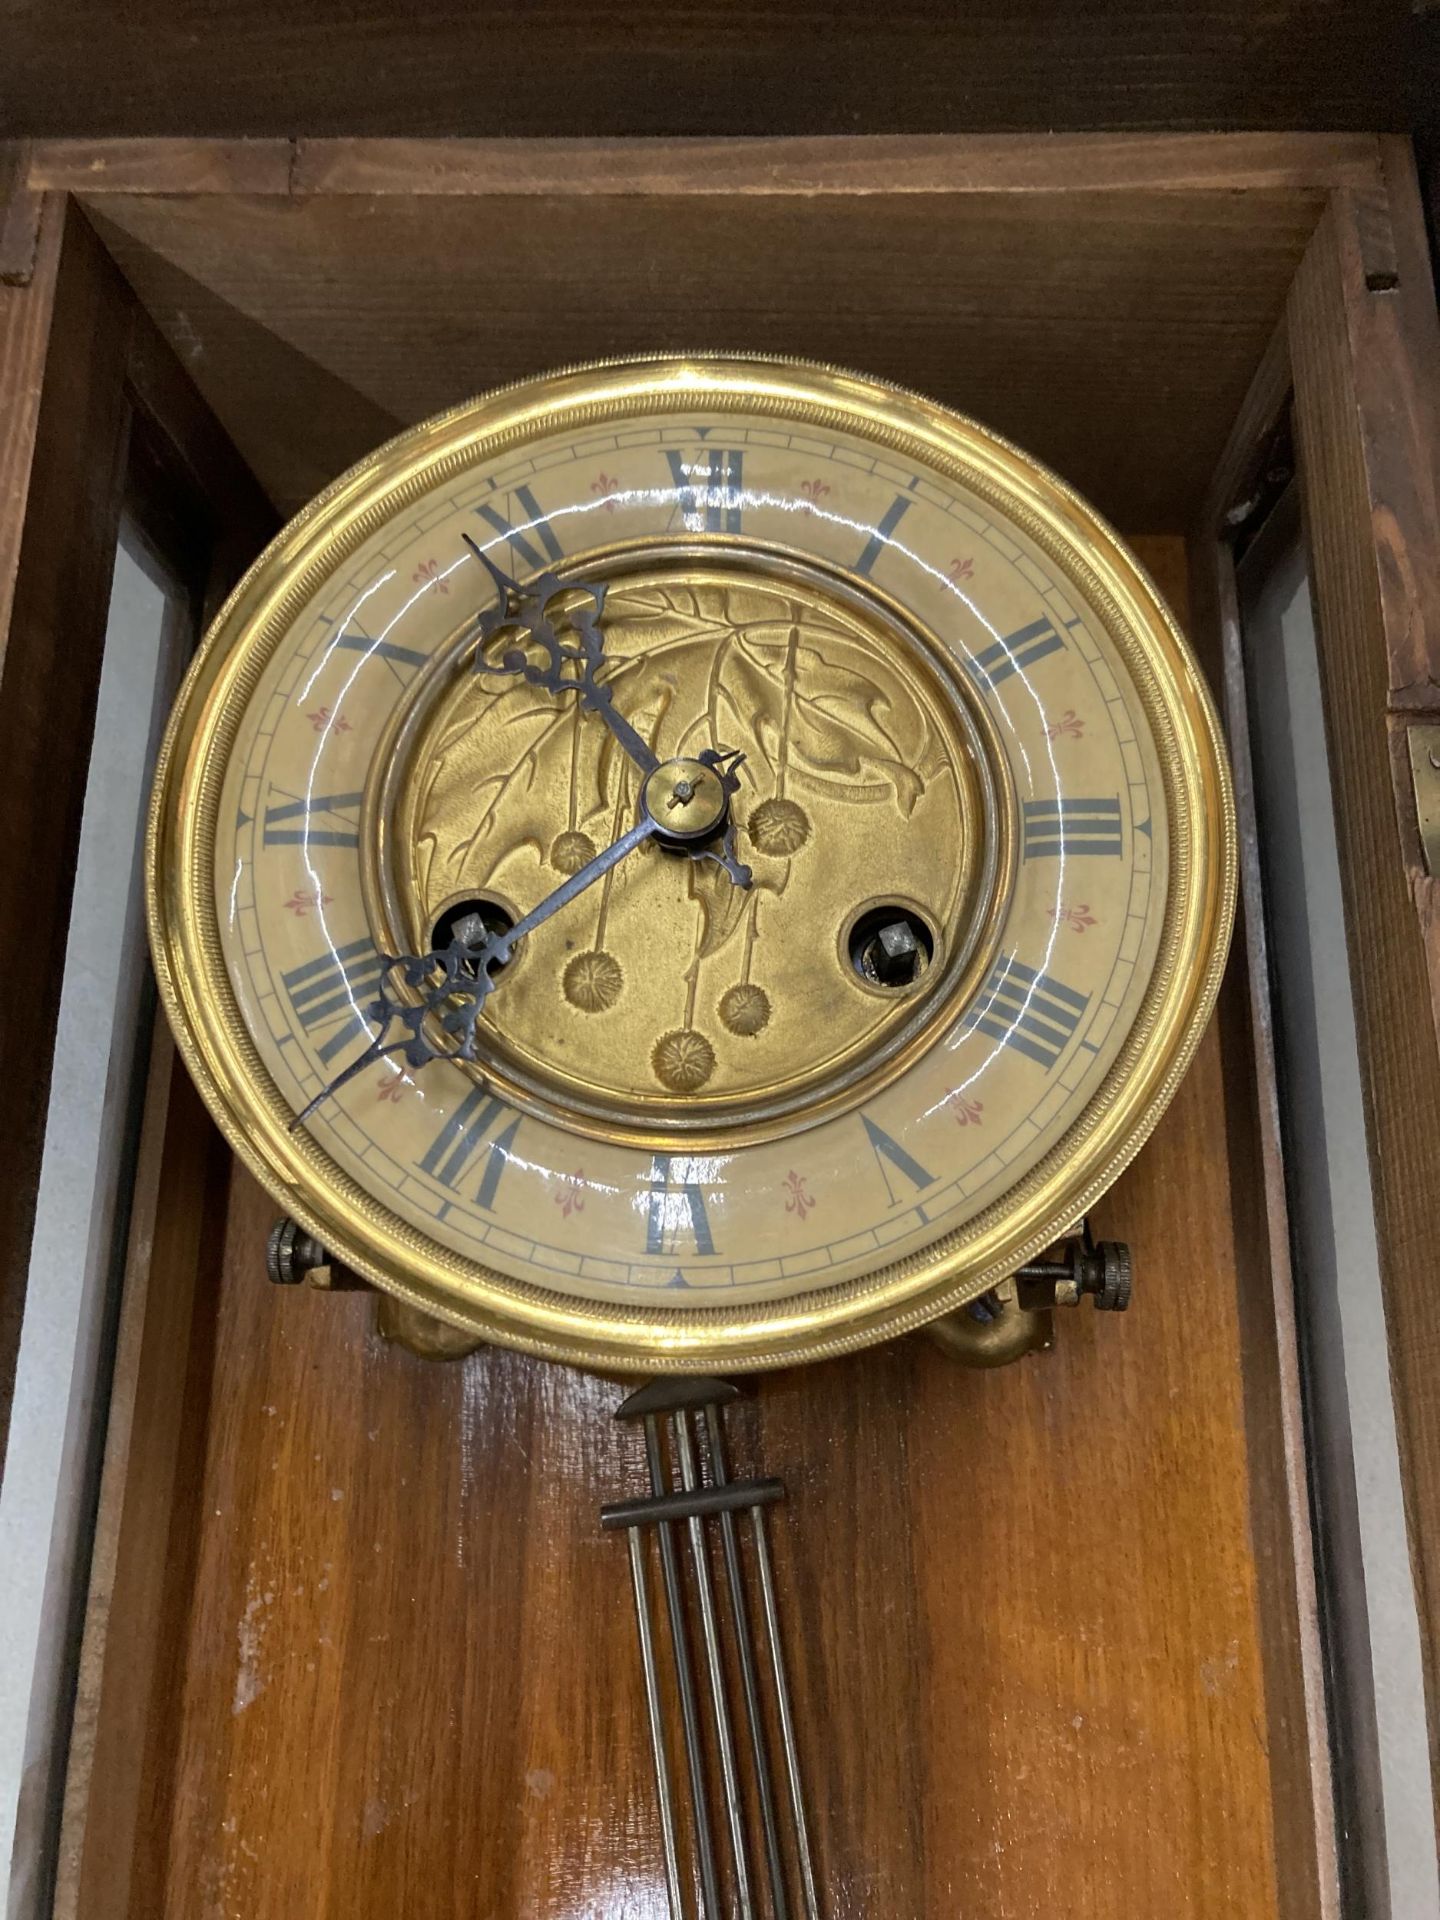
x=354, y=1642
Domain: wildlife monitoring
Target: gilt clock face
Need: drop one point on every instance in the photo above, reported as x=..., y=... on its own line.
x=925, y=889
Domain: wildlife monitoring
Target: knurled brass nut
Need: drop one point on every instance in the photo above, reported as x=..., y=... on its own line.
x=1108, y=1276
x=291, y=1253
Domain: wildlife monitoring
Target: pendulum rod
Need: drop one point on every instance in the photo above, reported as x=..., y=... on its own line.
x=690, y=1480
x=749, y=1675
x=777, y=1667
x=710, y=1908
x=657, y=1718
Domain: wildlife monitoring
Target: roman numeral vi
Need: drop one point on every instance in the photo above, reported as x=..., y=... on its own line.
x=677, y=1206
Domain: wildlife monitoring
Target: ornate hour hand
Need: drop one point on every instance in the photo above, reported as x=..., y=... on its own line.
x=566, y=668
x=683, y=803
x=455, y=981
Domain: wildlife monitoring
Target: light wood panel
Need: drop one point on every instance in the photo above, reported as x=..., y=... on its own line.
x=1023, y=1608
x=1112, y=333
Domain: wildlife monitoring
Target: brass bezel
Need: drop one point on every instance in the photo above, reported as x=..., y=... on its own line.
x=254, y=1118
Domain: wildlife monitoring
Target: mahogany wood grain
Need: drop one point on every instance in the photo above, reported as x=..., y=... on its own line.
x=1091, y=326
x=1023, y=1608
x=1365, y=370
x=648, y=66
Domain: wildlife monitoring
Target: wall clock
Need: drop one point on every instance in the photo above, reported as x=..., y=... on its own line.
x=683, y=866
x=691, y=864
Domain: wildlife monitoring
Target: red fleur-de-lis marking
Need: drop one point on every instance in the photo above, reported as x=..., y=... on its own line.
x=570, y=1194
x=428, y=574
x=1068, y=723
x=967, y=1112
x=605, y=483
x=322, y=723
x=814, y=492
x=960, y=570
x=300, y=904
x=799, y=1201
x=395, y=1086
x=1079, y=917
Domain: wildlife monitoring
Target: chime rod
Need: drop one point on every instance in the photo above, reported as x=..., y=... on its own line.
x=689, y=1479
x=749, y=1673
x=787, y=1719
x=710, y=1907
x=657, y=1723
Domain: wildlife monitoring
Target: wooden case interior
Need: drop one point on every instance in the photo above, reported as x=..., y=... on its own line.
x=356, y=1641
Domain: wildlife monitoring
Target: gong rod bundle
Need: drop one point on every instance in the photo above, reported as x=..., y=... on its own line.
x=677, y=1515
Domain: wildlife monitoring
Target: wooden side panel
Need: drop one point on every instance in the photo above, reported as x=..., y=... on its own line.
x=1280, y=1498
x=63, y=341
x=176, y=1222
x=1366, y=367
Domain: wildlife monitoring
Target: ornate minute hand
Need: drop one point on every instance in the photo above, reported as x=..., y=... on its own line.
x=525, y=612
x=566, y=668
x=455, y=981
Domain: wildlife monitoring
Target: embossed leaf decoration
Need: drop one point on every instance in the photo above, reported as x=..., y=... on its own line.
x=842, y=729
x=722, y=906
x=478, y=814
x=803, y=708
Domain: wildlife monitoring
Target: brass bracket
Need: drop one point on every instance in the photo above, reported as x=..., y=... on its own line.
x=1014, y=1317
x=1424, y=743
x=295, y=1258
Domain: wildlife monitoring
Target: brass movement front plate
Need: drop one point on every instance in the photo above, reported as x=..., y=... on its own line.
x=716, y=1013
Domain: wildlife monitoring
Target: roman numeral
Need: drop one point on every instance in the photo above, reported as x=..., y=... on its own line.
x=526, y=554
x=880, y=539
x=461, y=1138
x=709, y=486
x=331, y=996
x=1072, y=826
x=1018, y=650
x=390, y=650
x=1034, y=1013
x=677, y=1206
x=889, y=1153
x=315, y=820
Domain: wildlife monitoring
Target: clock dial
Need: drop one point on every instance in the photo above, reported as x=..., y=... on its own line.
x=926, y=909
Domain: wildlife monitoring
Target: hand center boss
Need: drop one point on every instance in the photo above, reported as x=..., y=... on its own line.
x=437, y=998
